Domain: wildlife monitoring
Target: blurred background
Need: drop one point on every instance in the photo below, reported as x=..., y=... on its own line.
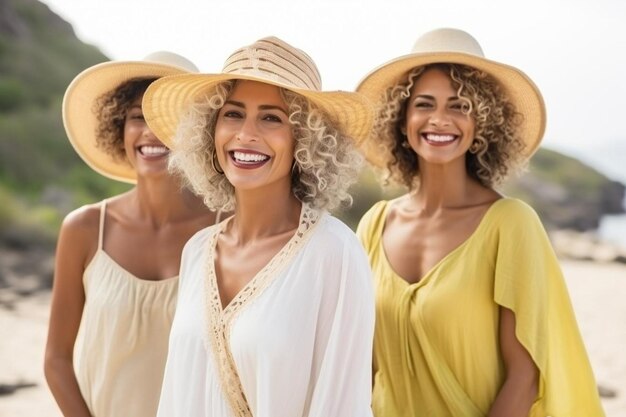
x=573, y=50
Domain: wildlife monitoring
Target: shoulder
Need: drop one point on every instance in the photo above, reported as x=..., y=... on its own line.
x=198, y=241
x=373, y=216
x=332, y=238
x=85, y=219
x=513, y=212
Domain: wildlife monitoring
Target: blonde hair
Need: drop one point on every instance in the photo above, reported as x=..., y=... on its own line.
x=496, y=151
x=326, y=161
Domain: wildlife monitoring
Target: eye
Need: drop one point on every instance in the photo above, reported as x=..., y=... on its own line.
x=232, y=114
x=460, y=106
x=272, y=118
x=135, y=115
x=423, y=104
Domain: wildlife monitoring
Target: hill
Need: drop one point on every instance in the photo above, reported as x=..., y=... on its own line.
x=42, y=178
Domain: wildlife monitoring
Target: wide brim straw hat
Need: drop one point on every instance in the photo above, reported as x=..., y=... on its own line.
x=269, y=60
x=80, y=117
x=457, y=47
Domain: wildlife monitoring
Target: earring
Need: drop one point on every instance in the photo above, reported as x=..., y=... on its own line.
x=474, y=147
x=215, y=163
x=405, y=144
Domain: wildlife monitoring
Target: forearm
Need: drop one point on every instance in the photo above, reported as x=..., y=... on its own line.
x=64, y=387
x=515, y=397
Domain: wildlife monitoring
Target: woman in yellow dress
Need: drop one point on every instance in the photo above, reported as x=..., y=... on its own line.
x=472, y=312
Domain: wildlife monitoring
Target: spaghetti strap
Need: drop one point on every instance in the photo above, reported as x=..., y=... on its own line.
x=218, y=216
x=103, y=207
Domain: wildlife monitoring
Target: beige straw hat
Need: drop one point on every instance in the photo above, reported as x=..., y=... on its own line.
x=269, y=60
x=80, y=120
x=457, y=47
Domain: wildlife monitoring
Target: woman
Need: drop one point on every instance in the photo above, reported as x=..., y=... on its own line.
x=275, y=315
x=473, y=316
x=115, y=280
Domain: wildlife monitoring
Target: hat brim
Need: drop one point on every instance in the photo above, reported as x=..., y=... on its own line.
x=168, y=98
x=521, y=90
x=81, y=122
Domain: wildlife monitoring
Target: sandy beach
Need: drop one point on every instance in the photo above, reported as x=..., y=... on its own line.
x=597, y=291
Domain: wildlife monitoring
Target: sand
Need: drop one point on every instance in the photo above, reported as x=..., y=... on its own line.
x=598, y=292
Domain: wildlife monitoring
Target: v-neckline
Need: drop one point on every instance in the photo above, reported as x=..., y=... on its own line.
x=425, y=277
x=220, y=319
x=307, y=219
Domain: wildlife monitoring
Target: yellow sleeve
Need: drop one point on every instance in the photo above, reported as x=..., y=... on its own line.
x=529, y=281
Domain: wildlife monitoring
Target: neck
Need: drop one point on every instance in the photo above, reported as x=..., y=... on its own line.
x=443, y=186
x=161, y=201
x=263, y=213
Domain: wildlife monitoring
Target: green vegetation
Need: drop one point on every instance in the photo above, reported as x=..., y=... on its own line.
x=42, y=178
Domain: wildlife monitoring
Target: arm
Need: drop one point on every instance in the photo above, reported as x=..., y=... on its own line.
x=68, y=298
x=520, y=387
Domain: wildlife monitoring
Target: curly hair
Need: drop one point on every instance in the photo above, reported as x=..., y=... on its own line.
x=326, y=162
x=111, y=109
x=496, y=150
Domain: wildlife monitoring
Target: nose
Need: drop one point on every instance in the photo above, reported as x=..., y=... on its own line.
x=439, y=118
x=248, y=131
x=147, y=133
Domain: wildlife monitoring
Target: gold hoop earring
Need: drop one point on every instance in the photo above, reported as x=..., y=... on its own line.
x=215, y=163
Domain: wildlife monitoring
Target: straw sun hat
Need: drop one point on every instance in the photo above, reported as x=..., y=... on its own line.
x=80, y=119
x=457, y=47
x=269, y=60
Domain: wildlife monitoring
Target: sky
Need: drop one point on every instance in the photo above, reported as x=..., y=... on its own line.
x=574, y=50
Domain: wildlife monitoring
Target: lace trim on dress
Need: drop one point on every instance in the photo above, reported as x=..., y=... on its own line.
x=220, y=320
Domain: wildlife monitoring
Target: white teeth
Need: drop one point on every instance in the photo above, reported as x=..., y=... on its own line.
x=153, y=150
x=249, y=157
x=439, y=138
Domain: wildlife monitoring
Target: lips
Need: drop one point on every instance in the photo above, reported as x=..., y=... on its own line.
x=439, y=139
x=247, y=159
x=153, y=151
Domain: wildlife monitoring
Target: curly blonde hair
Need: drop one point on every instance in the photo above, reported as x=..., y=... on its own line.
x=326, y=162
x=111, y=109
x=496, y=150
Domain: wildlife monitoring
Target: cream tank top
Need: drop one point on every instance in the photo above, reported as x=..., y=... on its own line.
x=122, y=341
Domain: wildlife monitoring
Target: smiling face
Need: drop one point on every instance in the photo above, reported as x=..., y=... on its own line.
x=253, y=137
x=438, y=126
x=145, y=152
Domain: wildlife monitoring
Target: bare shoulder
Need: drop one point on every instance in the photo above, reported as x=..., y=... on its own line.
x=79, y=230
x=78, y=238
x=84, y=218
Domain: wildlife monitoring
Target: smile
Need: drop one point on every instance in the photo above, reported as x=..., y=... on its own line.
x=248, y=160
x=153, y=150
x=439, y=140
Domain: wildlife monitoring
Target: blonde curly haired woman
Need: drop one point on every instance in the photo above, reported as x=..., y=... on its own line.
x=276, y=313
x=473, y=316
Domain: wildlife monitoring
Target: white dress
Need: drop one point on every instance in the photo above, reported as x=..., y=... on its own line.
x=298, y=336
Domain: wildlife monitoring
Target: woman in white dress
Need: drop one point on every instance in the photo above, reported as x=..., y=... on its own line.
x=275, y=313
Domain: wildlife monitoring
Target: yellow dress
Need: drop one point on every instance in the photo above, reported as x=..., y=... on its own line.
x=436, y=346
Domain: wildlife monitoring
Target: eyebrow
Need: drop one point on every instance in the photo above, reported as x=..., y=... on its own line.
x=261, y=107
x=426, y=96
